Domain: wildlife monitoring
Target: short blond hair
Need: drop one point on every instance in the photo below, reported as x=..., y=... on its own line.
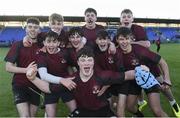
x=56, y=17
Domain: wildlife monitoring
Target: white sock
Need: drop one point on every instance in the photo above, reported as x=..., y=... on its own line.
x=172, y=102
x=140, y=102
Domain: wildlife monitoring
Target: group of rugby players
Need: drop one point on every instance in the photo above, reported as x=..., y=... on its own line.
x=87, y=69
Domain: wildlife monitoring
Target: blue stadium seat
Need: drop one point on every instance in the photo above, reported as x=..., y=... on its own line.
x=10, y=34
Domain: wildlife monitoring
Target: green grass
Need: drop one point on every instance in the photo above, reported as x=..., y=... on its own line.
x=170, y=52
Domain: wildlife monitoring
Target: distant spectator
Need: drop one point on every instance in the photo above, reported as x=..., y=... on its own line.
x=158, y=44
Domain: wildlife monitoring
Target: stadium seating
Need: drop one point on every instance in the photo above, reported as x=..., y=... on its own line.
x=169, y=34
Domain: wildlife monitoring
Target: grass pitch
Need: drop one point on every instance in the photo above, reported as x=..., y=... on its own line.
x=170, y=52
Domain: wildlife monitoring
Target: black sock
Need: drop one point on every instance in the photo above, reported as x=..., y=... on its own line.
x=139, y=114
x=175, y=107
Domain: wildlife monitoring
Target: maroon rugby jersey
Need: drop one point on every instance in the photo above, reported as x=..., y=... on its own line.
x=73, y=56
x=138, y=33
x=22, y=56
x=106, y=61
x=84, y=95
x=140, y=55
x=90, y=34
x=56, y=64
x=83, y=92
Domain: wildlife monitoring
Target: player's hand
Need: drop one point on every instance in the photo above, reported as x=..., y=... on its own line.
x=112, y=48
x=68, y=83
x=71, y=78
x=62, y=44
x=43, y=49
x=27, y=41
x=103, y=89
x=80, y=46
x=144, y=67
x=31, y=73
x=166, y=84
x=133, y=42
x=31, y=65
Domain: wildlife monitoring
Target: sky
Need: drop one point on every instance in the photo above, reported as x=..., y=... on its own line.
x=168, y=9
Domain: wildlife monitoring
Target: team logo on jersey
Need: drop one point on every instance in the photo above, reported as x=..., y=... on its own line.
x=135, y=62
x=63, y=61
x=37, y=52
x=96, y=89
x=110, y=60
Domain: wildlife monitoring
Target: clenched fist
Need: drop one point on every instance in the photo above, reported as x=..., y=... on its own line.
x=31, y=73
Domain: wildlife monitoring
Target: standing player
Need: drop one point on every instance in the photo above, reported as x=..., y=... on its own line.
x=111, y=62
x=90, y=29
x=25, y=98
x=53, y=68
x=132, y=58
x=140, y=38
x=56, y=24
x=139, y=34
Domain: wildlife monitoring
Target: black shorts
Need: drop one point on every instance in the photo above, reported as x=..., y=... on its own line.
x=54, y=97
x=25, y=94
x=154, y=89
x=117, y=89
x=51, y=98
x=134, y=89
x=102, y=112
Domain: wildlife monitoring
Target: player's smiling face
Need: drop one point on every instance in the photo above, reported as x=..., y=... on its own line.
x=32, y=30
x=51, y=45
x=126, y=19
x=56, y=26
x=124, y=43
x=86, y=65
x=75, y=40
x=102, y=43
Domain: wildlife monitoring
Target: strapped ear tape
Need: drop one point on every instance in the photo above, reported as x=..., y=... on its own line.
x=144, y=78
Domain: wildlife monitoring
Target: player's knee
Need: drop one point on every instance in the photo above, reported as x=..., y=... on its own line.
x=157, y=112
x=130, y=108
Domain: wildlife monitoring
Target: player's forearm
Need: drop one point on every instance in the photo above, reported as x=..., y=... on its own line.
x=109, y=77
x=165, y=70
x=146, y=44
x=42, y=85
x=118, y=77
x=44, y=75
x=129, y=75
x=112, y=48
x=10, y=67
